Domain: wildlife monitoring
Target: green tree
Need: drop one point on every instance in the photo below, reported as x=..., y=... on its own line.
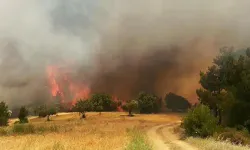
x=148, y=103
x=130, y=107
x=82, y=106
x=4, y=114
x=103, y=102
x=23, y=113
x=50, y=111
x=176, y=102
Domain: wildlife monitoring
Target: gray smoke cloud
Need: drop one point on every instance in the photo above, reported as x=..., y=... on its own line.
x=114, y=46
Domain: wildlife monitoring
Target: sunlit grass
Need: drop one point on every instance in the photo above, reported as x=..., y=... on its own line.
x=138, y=140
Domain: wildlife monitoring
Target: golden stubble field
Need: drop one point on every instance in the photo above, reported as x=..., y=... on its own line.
x=107, y=131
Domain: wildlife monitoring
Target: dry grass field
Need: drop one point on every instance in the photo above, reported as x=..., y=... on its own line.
x=108, y=131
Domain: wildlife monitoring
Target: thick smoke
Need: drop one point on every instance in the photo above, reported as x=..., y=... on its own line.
x=114, y=46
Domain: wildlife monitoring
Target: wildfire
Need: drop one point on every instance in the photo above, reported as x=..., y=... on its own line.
x=69, y=91
x=64, y=88
x=52, y=71
x=119, y=107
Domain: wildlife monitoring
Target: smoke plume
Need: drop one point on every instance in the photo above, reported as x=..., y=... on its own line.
x=114, y=46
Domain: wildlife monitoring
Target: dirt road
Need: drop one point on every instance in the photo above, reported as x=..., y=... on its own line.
x=163, y=138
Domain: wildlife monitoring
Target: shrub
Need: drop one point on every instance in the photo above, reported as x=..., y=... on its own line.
x=200, y=122
x=4, y=114
x=3, y=131
x=239, y=127
x=247, y=125
x=23, y=128
x=233, y=136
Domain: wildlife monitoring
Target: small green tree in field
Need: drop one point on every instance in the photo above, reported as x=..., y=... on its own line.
x=82, y=106
x=200, y=122
x=130, y=107
x=51, y=111
x=23, y=113
x=4, y=114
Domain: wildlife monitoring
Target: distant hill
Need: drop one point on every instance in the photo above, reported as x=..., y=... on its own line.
x=176, y=102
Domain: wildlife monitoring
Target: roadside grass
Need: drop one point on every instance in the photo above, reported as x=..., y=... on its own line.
x=225, y=139
x=138, y=140
x=212, y=144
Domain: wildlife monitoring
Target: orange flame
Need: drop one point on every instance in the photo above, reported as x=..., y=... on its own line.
x=51, y=71
x=60, y=82
x=119, y=107
x=69, y=92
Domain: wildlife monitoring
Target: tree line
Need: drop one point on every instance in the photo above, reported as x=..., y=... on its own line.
x=144, y=103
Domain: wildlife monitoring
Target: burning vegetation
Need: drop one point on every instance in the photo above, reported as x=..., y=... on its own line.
x=63, y=88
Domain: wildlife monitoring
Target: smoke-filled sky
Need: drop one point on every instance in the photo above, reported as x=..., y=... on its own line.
x=116, y=46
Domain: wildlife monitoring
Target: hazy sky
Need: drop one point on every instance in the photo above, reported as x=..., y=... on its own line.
x=121, y=42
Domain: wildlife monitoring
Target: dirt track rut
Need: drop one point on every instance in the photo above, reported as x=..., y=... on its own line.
x=163, y=139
